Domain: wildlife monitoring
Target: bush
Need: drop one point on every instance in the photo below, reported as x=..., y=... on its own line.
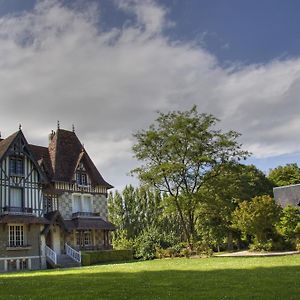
x=121, y=242
x=186, y=252
x=257, y=218
x=147, y=243
x=261, y=246
x=203, y=249
x=94, y=257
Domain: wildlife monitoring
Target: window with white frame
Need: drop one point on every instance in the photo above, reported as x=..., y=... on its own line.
x=16, y=235
x=82, y=203
x=16, y=166
x=88, y=237
x=84, y=238
x=16, y=198
x=87, y=203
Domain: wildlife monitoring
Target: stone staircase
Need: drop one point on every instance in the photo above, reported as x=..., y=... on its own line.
x=65, y=261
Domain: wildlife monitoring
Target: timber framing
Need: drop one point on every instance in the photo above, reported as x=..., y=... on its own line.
x=53, y=201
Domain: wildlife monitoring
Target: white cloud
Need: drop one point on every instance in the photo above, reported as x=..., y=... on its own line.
x=56, y=64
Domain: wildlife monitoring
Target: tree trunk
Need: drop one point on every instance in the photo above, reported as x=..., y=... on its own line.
x=229, y=241
x=183, y=223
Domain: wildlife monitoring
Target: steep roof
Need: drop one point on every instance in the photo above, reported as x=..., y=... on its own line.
x=65, y=151
x=41, y=155
x=60, y=160
x=5, y=143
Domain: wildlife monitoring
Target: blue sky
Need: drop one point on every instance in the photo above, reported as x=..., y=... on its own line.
x=107, y=66
x=248, y=32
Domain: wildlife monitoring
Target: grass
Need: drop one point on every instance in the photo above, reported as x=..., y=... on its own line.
x=210, y=278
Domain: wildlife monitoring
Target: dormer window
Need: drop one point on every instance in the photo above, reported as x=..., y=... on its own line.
x=16, y=165
x=81, y=178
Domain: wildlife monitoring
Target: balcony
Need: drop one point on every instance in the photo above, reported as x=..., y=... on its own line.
x=12, y=210
x=85, y=215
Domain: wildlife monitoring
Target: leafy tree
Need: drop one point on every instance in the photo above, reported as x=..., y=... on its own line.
x=221, y=195
x=285, y=175
x=136, y=209
x=289, y=223
x=257, y=217
x=178, y=151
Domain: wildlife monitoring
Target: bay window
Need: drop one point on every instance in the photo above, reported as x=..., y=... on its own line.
x=82, y=203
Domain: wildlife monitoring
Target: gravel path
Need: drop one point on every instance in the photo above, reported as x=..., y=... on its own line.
x=248, y=253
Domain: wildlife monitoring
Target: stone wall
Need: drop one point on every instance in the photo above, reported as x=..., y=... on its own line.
x=31, y=255
x=99, y=205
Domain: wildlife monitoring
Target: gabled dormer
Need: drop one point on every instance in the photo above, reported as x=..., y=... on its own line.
x=73, y=170
x=21, y=178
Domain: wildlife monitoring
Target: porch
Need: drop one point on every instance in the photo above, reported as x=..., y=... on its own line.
x=70, y=237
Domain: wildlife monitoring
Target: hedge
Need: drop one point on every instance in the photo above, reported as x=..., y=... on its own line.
x=94, y=257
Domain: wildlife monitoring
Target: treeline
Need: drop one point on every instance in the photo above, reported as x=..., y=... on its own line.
x=196, y=196
x=234, y=210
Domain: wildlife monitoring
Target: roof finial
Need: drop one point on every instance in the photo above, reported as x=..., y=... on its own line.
x=73, y=127
x=20, y=126
x=58, y=125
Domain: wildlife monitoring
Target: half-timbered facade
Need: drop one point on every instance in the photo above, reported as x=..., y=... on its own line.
x=53, y=202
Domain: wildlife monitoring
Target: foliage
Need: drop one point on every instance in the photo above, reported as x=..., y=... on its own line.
x=147, y=243
x=220, y=197
x=120, y=240
x=285, y=175
x=177, y=152
x=94, y=257
x=135, y=209
x=289, y=223
x=257, y=218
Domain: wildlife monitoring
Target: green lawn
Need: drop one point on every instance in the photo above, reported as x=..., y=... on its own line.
x=207, y=278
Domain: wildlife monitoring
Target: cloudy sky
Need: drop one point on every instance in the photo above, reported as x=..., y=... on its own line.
x=108, y=66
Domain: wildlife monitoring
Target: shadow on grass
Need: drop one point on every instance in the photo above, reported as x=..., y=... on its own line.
x=256, y=283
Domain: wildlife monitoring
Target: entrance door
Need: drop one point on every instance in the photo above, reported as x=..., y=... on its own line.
x=56, y=239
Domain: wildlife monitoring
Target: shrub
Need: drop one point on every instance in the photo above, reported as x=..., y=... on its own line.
x=203, y=249
x=94, y=257
x=147, y=243
x=121, y=242
x=289, y=224
x=257, y=218
x=186, y=252
x=261, y=246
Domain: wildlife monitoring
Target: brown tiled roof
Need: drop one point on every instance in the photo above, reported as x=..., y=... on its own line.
x=65, y=151
x=89, y=223
x=5, y=143
x=60, y=159
x=41, y=155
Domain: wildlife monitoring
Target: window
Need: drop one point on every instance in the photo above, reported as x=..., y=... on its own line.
x=82, y=203
x=84, y=238
x=87, y=204
x=87, y=238
x=16, y=165
x=16, y=235
x=81, y=178
x=16, y=199
x=77, y=203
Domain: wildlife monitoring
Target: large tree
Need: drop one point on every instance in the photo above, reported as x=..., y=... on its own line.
x=285, y=175
x=177, y=153
x=257, y=217
x=222, y=193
